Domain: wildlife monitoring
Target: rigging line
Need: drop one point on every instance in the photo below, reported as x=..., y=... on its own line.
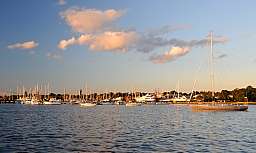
x=195, y=79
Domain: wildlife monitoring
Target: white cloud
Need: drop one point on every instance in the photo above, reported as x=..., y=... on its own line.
x=113, y=41
x=173, y=54
x=23, y=45
x=54, y=56
x=107, y=41
x=92, y=24
x=63, y=44
x=62, y=2
x=89, y=20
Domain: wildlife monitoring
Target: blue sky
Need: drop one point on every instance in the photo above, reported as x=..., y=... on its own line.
x=126, y=67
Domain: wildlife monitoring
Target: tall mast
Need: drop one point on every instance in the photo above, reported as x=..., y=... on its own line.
x=17, y=92
x=23, y=93
x=86, y=94
x=64, y=98
x=45, y=91
x=211, y=64
x=135, y=96
x=178, y=89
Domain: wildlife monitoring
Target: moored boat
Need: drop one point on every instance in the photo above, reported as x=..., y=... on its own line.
x=52, y=101
x=87, y=104
x=219, y=107
x=132, y=104
x=213, y=106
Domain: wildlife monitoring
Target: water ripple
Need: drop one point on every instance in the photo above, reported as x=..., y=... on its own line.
x=160, y=128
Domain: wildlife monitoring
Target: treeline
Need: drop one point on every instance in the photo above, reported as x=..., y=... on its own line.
x=243, y=94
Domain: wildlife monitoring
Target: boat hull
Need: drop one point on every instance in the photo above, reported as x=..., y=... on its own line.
x=87, y=104
x=52, y=103
x=220, y=107
x=132, y=104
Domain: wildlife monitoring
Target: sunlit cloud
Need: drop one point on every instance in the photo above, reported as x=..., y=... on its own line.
x=89, y=20
x=139, y=42
x=23, y=45
x=107, y=41
x=170, y=55
x=63, y=44
x=95, y=36
x=62, y=2
x=179, y=47
x=113, y=41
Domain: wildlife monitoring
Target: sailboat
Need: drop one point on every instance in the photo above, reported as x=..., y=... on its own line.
x=48, y=100
x=178, y=99
x=87, y=102
x=131, y=102
x=213, y=106
x=53, y=101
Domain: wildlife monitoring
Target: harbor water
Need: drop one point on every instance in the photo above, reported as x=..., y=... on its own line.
x=111, y=128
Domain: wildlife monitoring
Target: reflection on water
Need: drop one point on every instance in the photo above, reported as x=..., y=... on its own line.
x=159, y=128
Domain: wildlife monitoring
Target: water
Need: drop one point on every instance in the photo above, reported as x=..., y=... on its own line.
x=165, y=128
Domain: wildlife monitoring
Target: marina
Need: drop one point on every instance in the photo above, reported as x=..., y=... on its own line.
x=85, y=99
x=93, y=76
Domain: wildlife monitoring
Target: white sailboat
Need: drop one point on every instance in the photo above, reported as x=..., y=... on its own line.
x=53, y=101
x=35, y=98
x=131, y=102
x=118, y=101
x=27, y=101
x=87, y=103
x=34, y=101
x=178, y=98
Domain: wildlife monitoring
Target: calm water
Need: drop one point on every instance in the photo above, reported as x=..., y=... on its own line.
x=165, y=128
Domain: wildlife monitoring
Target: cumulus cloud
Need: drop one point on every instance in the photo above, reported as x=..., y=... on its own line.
x=93, y=23
x=172, y=54
x=63, y=44
x=23, y=45
x=89, y=20
x=139, y=42
x=180, y=48
x=107, y=41
x=113, y=41
x=62, y=2
x=84, y=39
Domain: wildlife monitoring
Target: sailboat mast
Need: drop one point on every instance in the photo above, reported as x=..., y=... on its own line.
x=64, y=98
x=86, y=94
x=211, y=65
x=178, y=89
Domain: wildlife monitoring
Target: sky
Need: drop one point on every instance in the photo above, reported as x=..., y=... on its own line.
x=115, y=45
